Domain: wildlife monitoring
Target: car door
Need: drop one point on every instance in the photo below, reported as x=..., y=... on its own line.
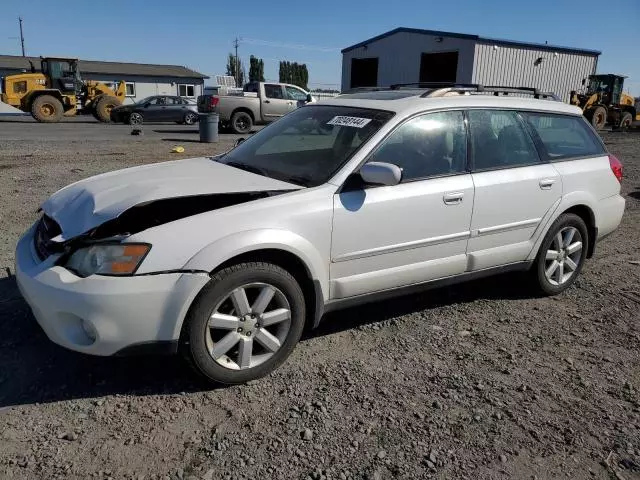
x=155, y=110
x=515, y=191
x=175, y=109
x=274, y=102
x=392, y=236
x=296, y=95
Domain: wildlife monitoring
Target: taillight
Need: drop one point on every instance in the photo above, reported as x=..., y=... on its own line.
x=616, y=167
x=214, y=101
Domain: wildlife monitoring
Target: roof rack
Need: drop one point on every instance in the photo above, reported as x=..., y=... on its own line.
x=438, y=89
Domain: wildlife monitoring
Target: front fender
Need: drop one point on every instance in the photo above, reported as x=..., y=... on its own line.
x=218, y=252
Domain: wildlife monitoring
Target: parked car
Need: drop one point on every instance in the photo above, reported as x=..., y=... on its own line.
x=158, y=108
x=227, y=259
x=258, y=104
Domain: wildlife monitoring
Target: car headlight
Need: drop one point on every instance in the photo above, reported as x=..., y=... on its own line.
x=108, y=259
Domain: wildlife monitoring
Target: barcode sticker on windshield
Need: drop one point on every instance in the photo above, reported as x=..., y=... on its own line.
x=356, y=122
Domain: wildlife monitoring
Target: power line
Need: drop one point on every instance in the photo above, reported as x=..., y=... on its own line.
x=295, y=46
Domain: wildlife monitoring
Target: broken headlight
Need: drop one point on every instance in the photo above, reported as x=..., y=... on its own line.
x=107, y=259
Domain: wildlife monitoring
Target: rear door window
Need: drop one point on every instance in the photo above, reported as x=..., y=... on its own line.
x=499, y=139
x=273, y=91
x=564, y=136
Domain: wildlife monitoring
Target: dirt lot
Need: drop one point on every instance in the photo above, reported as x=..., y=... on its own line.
x=480, y=381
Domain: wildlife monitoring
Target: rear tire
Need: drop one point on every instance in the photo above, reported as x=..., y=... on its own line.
x=559, y=263
x=626, y=120
x=241, y=123
x=227, y=352
x=104, y=106
x=47, y=109
x=190, y=118
x=598, y=117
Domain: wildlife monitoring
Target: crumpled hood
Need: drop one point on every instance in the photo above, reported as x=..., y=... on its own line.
x=88, y=203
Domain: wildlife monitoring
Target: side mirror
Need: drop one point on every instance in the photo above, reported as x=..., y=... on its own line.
x=583, y=81
x=239, y=141
x=379, y=173
x=309, y=98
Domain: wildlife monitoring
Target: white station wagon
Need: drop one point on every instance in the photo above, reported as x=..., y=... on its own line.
x=227, y=259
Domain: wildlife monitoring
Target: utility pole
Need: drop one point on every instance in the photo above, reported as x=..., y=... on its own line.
x=235, y=44
x=21, y=36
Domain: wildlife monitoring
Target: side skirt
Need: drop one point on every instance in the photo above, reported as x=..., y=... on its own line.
x=341, y=303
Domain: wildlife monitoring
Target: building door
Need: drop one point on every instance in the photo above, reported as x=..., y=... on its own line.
x=364, y=72
x=438, y=67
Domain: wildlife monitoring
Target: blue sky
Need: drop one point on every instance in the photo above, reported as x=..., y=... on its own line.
x=200, y=34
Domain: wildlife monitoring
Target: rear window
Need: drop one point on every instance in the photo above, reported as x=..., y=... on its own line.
x=565, y=136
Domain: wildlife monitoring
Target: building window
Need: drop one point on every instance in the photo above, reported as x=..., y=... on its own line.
x=186, y=90
x=131, y=89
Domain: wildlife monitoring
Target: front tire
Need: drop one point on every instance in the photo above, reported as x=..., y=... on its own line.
x=244, y=323
x=561, y=255
x=626, y=120
x=135, y=118
x=105, y=104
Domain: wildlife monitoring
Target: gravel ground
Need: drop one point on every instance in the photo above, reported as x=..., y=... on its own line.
x=478, y=381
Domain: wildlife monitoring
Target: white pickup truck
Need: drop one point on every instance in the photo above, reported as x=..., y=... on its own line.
x=259, y=103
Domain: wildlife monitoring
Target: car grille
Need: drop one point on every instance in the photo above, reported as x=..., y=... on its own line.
x=46, y=229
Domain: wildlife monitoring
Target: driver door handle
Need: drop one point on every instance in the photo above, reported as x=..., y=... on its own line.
x=453, y=198
x=267, y=101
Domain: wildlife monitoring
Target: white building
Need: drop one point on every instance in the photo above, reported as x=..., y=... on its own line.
x=407, y=55
x=142, y=79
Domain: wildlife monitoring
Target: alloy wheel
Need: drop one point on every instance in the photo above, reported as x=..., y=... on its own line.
x=248, y=326
x=564, y=255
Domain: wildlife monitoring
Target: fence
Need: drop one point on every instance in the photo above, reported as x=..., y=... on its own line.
x=323, y=95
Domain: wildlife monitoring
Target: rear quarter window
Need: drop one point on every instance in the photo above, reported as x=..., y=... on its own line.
x=565, y=136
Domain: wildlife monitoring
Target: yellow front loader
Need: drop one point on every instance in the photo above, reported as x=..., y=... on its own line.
x=604, y=102
x=57, y=91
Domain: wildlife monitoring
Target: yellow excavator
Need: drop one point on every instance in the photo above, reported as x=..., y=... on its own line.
x=604, y=102
x=58, y=90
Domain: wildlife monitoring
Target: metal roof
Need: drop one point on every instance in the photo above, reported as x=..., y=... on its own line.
x=494, y=41
x=13, y=62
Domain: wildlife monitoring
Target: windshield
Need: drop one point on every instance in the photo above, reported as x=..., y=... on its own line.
x=599, y=84
x=309, y=145
x=144, y=100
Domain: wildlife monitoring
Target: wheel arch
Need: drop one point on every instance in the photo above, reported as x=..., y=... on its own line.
x=587, y=215
x=245, y=110
x=38, y=93
x=579, y=204
x=283, y=248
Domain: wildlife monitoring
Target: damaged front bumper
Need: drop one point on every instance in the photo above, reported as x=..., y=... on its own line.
x=102, y=315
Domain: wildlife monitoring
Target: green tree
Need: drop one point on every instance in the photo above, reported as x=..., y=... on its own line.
x=256, y=69
x=236, y=69
x=261, y=70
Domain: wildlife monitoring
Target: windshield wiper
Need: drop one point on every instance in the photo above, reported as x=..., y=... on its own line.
x=247, y=168
x=298, y=180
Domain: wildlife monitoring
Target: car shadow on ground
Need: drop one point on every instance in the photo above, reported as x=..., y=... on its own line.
x=183, y=140
x=177, y=131
x=34, y=370
x=635, y=194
